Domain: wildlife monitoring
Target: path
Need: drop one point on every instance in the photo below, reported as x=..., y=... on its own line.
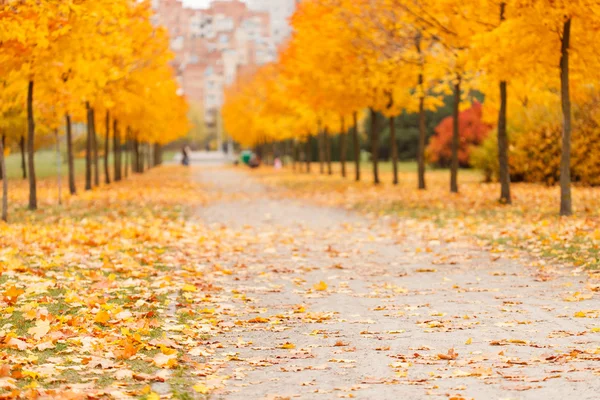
x=394, y=307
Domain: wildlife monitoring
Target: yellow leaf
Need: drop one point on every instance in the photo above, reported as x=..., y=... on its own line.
x=321, y=286
x=189, y=288
x=40, y=329
x=200, y=388
x=288, y=345
x=102, y=317
x=469, y=341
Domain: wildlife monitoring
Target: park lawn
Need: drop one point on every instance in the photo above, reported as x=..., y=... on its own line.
x=531, y=223
x=46, y=166
x=88, y=289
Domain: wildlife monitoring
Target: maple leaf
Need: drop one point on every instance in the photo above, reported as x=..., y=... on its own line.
x=12, y=293
x=288, y=345
x=40, y=329
x=452, y=355
x=321, y=286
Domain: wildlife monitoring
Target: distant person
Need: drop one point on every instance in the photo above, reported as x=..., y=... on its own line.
x=277, y=163
x=185, y=156
x=254, y=161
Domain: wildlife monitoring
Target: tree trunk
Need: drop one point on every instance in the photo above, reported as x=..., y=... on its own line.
x=394, y=147
x=328, y=150
x=31, y=149
x=23, y=160
x=70, y=157
x=566, y=207
x=356, y=146
x=58, y=167
x=375, y=147
x=88, y=150
x=107, y=148
x=95, y=149
x=503, y=148
x=504, y=172
x=455, y=138
x=308, y=153
x=321, y=139
x=4, y=182
x=422, y=139
x=116, y=151
x=343, y=146
x=136, y=157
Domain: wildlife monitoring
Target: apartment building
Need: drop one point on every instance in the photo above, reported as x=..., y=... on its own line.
x=212, y=45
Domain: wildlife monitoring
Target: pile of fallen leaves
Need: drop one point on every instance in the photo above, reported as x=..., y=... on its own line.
x=93, y=293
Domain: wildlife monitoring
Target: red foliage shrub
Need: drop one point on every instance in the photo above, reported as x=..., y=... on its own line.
x=473, y=132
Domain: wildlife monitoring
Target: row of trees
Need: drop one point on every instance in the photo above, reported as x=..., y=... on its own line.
x=98, y=62
x=395, y=56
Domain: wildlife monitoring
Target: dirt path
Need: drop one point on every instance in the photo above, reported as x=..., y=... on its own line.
x=392, y=308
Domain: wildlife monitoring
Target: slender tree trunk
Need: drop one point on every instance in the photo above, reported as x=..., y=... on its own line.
x=107, y=148
x=504, y=173
x=70, y=157
x=422, y=140
x=116, y=151
x=375, y=147
x=343, y=146
x=95, y=149
x=308, y=153
x=88, y=150
x=328, y=150
x=505, y=197
x=321, y=151
x=566, y=207
x=4, y=182
x=455, y=138
x=394, y=147
x=58, y=167
x=31, y=149
x=23, y=160
x=356, y=146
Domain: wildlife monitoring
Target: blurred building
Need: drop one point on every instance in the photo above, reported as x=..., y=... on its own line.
x=213, y=45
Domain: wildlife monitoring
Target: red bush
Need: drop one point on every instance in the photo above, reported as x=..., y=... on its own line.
x=473, y=132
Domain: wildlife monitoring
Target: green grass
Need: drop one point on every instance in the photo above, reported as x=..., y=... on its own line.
x=46, y=167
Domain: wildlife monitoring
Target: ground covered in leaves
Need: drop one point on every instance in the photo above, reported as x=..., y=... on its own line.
x=206, y=283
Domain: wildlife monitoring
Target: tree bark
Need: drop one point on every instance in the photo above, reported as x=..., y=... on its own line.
x=88, y=150
x=31, y=149
x=70, y=157
x=321, y=151
x=23, y=160
x=566, y=207
x=116, y=151
x=107, y=148
x=308, y=154
x=455, y=138
x=328, y=150
x=504, y=172
x=4, y=182
x=356, y=146
x=422, y=140
x=343, y=146
x=95, y=149
x=394, y=147
x=375, y=147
